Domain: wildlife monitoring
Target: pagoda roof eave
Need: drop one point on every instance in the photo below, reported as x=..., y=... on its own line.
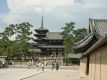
x=35, y=50
x=36, y=35
x=41, y=29
x=36, y=40
x=51, y=39
x=52, y=46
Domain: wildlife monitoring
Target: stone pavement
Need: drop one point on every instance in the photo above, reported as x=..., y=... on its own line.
x=57, y=75
x=74, y=67
x=22, y=73
x=17, y=74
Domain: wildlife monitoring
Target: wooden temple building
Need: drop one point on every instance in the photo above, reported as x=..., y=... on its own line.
x=93, y=63
x=50, y=44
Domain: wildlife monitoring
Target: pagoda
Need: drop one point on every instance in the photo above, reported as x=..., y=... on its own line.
x=50, y=43
x=41, y=33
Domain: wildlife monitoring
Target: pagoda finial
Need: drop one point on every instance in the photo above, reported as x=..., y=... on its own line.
x=42, y=23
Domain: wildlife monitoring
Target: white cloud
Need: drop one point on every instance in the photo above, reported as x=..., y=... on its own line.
x=48, y=3
x=56, y=12
x=19, y=5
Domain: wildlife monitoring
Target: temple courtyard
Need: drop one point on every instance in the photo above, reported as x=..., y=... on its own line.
x=34, y=74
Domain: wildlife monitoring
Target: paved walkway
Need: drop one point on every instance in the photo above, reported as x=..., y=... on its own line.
x=65, y=73
x=17, y=74
x=75, y=67
x=57, y=75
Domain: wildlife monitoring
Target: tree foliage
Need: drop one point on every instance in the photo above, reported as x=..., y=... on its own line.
x=20, y=45
x=68, y=37
x=79, y=34
x=23, y=31
x=5, y=42
x=71, y=35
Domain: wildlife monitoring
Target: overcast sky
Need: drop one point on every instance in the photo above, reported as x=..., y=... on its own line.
x=56, y=12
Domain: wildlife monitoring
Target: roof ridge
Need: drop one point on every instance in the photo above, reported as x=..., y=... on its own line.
x=59, y=32
x=98, y=19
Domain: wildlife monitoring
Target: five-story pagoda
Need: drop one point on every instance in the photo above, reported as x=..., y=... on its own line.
x=41, y=33
x=50, y=44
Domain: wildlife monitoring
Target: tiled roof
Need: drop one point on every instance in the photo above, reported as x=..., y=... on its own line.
x=35, y=50
x=41, y=28
x=84, y=44
x=72, y=55
x=84, y=41
x=54, y=35
x=36, y=40
x=97, y=28
x=97, y=45
x=52, y=46
x=99, y=25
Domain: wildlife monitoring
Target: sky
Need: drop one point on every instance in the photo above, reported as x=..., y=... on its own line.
x=56, y=12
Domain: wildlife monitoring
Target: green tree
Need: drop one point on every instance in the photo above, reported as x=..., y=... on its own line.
x=68, y=36
x=19, y=46
x=23, y=36
x=79, y=34
x=5, y=42
x=71, y=35
x=68, y=39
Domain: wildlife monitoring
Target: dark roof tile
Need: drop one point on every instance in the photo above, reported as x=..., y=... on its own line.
x=54, y=35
